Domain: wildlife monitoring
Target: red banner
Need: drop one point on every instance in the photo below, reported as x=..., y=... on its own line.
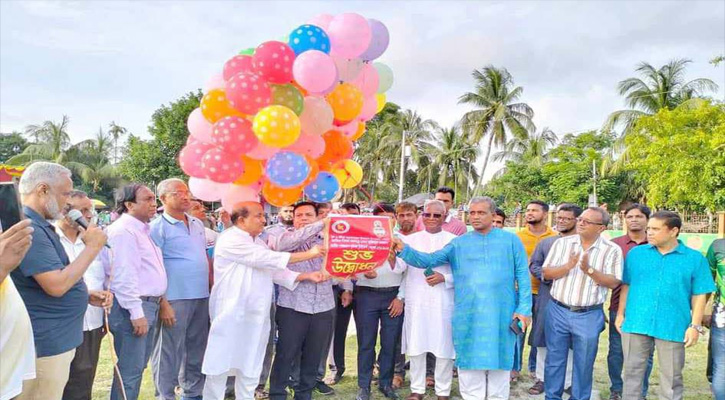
x=356, y=244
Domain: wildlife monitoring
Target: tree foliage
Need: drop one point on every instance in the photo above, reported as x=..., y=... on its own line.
x=11, y=144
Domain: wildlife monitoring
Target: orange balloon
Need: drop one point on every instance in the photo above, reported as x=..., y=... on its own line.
x=314, y=170
x=338, y=147
x=360, y=131
x=346, y=101
x=252, y=172
x=280, y=197
x=215, y=106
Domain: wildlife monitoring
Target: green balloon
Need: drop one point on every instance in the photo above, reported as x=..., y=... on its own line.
x=247, y=52
x=385, y=76
x=288, y=96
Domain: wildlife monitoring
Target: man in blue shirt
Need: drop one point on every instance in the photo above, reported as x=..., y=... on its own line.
x=184, y=312
x=663, y=296
x=51, y=286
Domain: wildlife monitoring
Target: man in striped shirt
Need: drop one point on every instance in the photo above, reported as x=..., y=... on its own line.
x=583, y=268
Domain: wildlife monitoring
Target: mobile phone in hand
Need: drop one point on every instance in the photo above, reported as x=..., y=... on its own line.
x=11, y=211
x=516, y=327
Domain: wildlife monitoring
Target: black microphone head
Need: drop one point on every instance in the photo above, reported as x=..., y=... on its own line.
x=76, y=216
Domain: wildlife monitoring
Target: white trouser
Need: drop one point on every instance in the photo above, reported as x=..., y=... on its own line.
x=474, y=384
x=443, y=375
x=216, y=385
x=541, y=365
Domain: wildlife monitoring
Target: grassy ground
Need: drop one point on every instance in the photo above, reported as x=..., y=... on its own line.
x=696, y=385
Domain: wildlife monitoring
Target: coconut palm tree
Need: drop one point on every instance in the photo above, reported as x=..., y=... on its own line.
x=451, y=158
x=497, y=115
x=116, y=132
x=52, y=140
x=532, y=149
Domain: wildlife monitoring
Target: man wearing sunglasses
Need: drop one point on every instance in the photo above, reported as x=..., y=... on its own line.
x=583, y=268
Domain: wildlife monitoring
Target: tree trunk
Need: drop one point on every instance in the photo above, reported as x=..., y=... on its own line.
x=485, y=164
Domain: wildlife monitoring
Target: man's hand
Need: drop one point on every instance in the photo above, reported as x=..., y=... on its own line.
x=167, y=314
x=691, y=336
x=396, y=307
x=525, y=321
x=314, y=277
x=94, y=237
x=584, y=265
x=435, y=279
x=100, y=298
x=346, y=298
x=14, y=243
x=317, y=251
x=573, y=259
x=618, y=322
x=140, y=326
x=397, y=244
x=371, y=274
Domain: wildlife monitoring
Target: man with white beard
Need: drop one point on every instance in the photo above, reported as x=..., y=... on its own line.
x=429, y=308
x=244, y=272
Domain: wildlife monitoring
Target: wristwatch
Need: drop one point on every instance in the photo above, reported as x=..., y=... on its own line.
x=698, y=328
x=590, y=271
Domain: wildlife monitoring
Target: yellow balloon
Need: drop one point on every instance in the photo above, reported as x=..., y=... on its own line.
x=349, y=173
x=359, y=132
x=346, y=101
x=381, y=98
x=215, y=106
x=276, y=126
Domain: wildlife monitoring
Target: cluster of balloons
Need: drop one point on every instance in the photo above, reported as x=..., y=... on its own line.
x=281, y=120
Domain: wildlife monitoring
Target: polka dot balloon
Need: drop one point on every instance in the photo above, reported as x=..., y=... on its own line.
x=220, y=166
x=346, y=101
x=273, y=62
x=289, y=96
x=323, y=189
x=248, y=93
x=309, y=37
x=287, y=169
x=234, y=135
x=215, y=106
x=191, y=155
x=280, y=197
x=236, y=65
x=276, y=126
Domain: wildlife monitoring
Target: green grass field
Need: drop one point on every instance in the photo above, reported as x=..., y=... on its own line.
x=696, y=385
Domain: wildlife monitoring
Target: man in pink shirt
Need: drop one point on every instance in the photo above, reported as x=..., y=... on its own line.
x=138, y=281
x=450, y=224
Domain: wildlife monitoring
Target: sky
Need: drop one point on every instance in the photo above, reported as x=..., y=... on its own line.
x=103, y=61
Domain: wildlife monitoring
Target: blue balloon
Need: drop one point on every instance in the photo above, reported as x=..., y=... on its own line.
x=324, y=188
x=287, y=169
x=309, y=37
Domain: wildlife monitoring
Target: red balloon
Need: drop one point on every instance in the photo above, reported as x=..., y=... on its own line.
x=237, y=64
x=273, y=62
x=337, y=148
x=221, y=166
x=248, y=93
x=234, y=135
x=191, y=155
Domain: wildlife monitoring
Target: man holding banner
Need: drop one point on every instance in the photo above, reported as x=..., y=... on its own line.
x=487, y=264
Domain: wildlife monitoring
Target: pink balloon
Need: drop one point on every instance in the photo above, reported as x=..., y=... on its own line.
x=221, y=166
x=308, y=145
x=248, y=93
x=207, y=190
x=348, y=68
x=215, y=82
x=315, y=71
x=234, y=135
x=273, y=61
x=348, y=129
x=190, y=157
x=199, y=127
x=322, y=20
x=237, y=64
x=350, y=35
x=367, y=81
x=262, y=152
x=237, y=194
x=257, y=186
x=317, y=116
x=370, y=105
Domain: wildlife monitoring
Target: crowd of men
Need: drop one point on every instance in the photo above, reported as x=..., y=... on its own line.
x=219, y=312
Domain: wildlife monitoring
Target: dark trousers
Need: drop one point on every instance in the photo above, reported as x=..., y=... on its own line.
x=371, y=312
x=83, y=366
x=301, y=336
x=342, y=321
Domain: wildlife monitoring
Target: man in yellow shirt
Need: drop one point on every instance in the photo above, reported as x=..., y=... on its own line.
x=535, y=231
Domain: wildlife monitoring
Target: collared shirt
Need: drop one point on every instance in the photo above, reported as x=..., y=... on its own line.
x=184, y=251
x=307, y=297
x=626, y=244
x=530, y=240
x=576, y=288
x=137, y=264
x=94, y=276
x=716, y=259
x=451, y=224
x=386, y=277
x=661, y=287
x=57, y=321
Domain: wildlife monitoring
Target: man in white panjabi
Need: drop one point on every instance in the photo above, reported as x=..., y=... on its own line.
x=244, y=272
x=427, y=327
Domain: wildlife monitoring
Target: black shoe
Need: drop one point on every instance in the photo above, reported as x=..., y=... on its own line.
x=388, y=392
x=363, y=394
x=568, y=390
x=323, y=389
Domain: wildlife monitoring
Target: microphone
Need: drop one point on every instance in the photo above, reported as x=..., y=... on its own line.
x=76, y=216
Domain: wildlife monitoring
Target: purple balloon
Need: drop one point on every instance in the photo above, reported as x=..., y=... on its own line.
x=379, y=42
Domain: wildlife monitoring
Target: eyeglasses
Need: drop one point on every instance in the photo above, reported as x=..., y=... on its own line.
x=586, y=222
x=431, y=215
